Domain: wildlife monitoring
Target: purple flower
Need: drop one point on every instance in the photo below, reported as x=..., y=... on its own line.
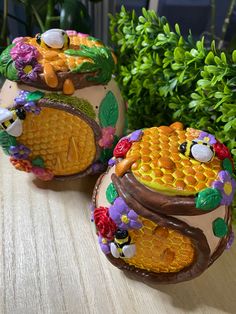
x=28, y=71
x=32, y=107
x=24, y=52
x=123, y=216
x=230, y=241
x=98, y=167
x=104, y=244
x=21, y=99
x=112, y=162
x=206, y=137
x=135, y=136
x=19, y=151
x=227, y=187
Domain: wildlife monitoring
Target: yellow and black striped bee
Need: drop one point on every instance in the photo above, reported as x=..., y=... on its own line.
x=198, y=150
x=53, y=38
x=10, y=120
x=122, y=246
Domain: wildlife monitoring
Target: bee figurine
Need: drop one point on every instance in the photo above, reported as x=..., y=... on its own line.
x=198, y=150
x=54, y=39
x=10, y=121
x=122, y=247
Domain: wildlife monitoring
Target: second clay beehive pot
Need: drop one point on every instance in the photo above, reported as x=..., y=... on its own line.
x=162, y=210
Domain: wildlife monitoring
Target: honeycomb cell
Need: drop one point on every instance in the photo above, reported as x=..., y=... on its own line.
x=168, y=178
x=145, y=151
x=146, y=159
x=200, y=176
x=189, y=171
x=135, y=166
x=180, y=185
x=161, y=232
x=147, y=178
x=146, y=168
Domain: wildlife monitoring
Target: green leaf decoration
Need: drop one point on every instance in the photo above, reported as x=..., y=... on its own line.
x=111, y=193
x=38, y=162
x=35, y=96
x=108, y=111
x=7, y=66
x=101, y=62
x=227, y=165
x=208, y=199
x=6, y=141
x=220, y=228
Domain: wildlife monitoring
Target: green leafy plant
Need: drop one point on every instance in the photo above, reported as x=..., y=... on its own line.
x=166, y=77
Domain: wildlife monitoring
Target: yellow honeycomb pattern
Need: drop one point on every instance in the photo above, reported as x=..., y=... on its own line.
x=160, y=249
x=161, y=166
x=64, y=141
x=60, y=61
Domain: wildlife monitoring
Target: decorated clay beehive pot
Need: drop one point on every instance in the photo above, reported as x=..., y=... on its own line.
x=162, y=209
x=61, y=111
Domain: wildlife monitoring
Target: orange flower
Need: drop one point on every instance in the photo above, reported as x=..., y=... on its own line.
x=21, y=164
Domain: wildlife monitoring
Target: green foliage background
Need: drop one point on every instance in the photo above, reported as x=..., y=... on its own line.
x=166, y=77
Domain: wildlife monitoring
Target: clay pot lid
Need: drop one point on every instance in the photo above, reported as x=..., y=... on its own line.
x=80, y=61
x=156, y=161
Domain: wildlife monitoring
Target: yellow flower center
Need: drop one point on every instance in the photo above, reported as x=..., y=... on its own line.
x=228, y=188
x=125, y=219
x=206, y=139
x=104, y=241
x=28, y=69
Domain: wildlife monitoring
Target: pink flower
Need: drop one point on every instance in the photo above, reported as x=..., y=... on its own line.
x=24, y=52
x=107, y=137
x=19, y=39
x=43, y=174
x=82, y=35
x=71, y=32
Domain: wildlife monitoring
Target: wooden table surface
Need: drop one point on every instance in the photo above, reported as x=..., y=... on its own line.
x=50, y=261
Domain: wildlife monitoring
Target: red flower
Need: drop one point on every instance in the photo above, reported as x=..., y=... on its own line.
x=43, y=174
x=221, y=151
x=105, y=225
x=22, y=165
x=122, y=148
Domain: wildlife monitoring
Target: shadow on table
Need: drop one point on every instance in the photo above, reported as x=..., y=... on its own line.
x=84, y=185
x=213, y=289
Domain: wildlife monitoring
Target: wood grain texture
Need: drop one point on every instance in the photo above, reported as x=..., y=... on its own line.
x=50, y=261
